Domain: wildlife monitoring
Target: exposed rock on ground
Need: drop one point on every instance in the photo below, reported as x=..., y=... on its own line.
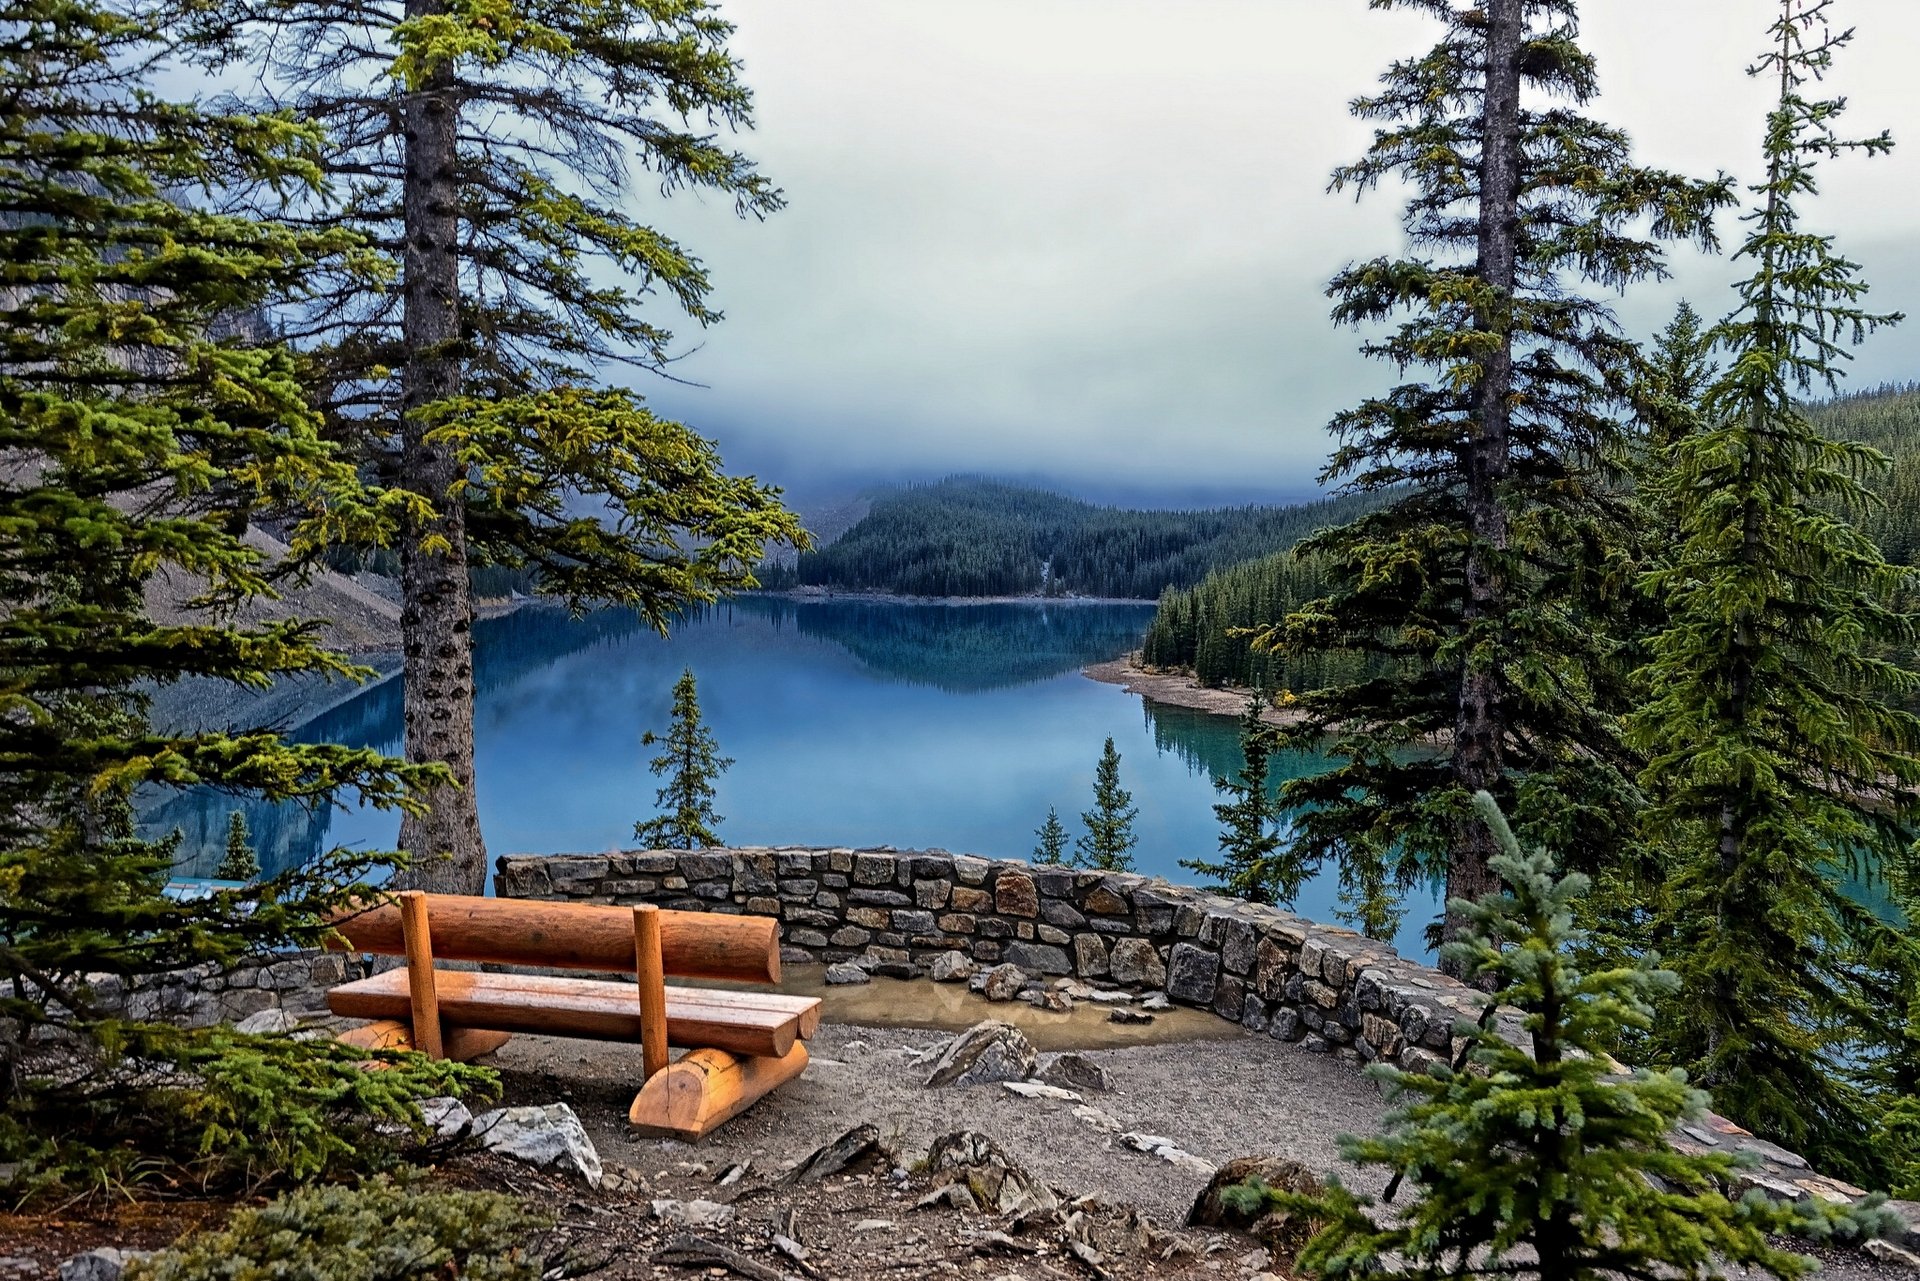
x=997, y=1182
x=985, y=1053
x=1283, y=1231
x=540, y=1136
x=1074, y=1072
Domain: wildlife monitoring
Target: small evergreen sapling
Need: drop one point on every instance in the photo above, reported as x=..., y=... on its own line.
x=1547, y=1160
x=1053, y=839
x=240, y=862
x=1108, y=841
x=1253, y=863
x=690, y=764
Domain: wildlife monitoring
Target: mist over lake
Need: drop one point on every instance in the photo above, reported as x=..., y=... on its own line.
x=849, y=722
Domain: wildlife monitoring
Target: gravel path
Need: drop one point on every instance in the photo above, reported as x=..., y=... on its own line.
x=1217, y=1097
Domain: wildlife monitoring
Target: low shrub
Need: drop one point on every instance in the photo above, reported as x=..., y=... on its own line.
x=382, y=1230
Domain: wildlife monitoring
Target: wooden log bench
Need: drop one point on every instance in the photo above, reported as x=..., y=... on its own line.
x=740, y=1043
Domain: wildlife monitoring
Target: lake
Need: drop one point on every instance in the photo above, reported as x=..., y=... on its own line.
x=849, y=722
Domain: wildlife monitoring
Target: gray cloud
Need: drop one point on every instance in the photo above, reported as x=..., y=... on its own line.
x=1088, y=239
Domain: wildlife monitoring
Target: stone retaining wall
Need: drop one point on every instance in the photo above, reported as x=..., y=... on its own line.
x=894, y=911
x=293, y=982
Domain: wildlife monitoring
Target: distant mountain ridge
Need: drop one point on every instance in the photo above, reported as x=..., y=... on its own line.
x=976, y=536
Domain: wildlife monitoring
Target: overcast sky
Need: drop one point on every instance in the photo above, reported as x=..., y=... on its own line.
x=1087, y=240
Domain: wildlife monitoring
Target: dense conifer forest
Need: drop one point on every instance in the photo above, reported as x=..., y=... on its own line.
x=970, y=536
x=1206, y=628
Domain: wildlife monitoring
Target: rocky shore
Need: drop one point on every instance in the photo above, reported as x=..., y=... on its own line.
x=1179, y=689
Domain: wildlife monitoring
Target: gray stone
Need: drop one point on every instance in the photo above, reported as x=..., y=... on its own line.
x=1003, y=982
x=1136, y=964
x=1040, y=958
x=914, y=922
x=108, y=1263
x=693, y=1214
x=951, y=967
x=268, y=1022
x=540, y=1136
x=1089, y=955
x=977, y=1162
x=1156, y=1145
x=1155, y=1002
x=1888, y=1252
x=1237, y=950
x=932, y=894
x=872, y=869
x=1285, y=1025
x=847, y=973
x=1074, y=1072
x=1055, y=912
x=448, y=1118
x=1192, y=974
x=985, y=1053
x=1124, y=1015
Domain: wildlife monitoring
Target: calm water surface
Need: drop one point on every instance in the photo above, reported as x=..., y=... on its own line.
x=850, y=723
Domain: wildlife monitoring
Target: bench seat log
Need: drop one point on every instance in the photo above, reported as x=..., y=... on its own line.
x=574, y=936
x=461, y=1044
x=705, y=1088
x=764, y=1024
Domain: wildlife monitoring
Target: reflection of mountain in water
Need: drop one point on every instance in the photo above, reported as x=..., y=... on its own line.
x=286, y=835
x=963, y=648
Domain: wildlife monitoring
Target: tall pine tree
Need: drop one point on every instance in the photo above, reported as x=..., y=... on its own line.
x=1108, y=841
x=1472, y=594
x=1777, y=756
x=690, y=764
x=143, y=435
x=1254, y=864
x=1052, y=836
x=491, y=151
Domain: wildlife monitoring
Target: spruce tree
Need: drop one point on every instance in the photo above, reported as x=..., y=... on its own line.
x=1108, y=842
x=1777, y=752
x=1471, y=597
x=1532, y=1154
x=1053, y=839
x=145, y=432
x=494, y=152
x=1253, y=864
x=690, y=764
x=239, y=863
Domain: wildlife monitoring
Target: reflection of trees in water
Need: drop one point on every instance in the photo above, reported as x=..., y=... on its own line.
x=963, y=648
x=1211, y=742
x=284, y=836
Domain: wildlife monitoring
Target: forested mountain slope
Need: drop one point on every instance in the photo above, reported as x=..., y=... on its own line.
x=1193, y=628
x=967, y=536
x=1888, y=418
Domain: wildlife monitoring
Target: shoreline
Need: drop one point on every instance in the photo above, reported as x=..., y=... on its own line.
x=818, y=595
x=1177, y=689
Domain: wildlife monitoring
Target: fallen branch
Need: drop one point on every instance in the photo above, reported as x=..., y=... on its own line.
x=698, y=1252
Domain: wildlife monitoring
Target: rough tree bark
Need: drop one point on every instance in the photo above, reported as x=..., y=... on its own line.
x=436, y=618
x=1480, y=720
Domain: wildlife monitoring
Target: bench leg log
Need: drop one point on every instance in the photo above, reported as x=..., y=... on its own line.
x=694, y=1095
x=461, y=1044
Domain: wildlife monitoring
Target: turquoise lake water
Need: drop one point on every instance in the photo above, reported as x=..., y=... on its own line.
x=850, y=723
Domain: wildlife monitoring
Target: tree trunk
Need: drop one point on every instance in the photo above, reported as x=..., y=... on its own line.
x=1480, y=717
x=436, y=618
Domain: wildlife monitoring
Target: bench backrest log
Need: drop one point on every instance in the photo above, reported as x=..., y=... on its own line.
x=575, y=936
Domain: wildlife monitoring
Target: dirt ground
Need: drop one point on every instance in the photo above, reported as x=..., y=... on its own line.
x=1212, y=1089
